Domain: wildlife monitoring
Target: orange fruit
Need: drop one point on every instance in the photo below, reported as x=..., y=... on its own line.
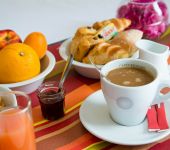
x=18, y=62
x=38, y=42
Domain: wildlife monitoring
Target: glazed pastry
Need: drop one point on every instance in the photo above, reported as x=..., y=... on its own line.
x=83, y=31
x=105, y=52
x=85, y=44
x=120, y=23
x=84, y=39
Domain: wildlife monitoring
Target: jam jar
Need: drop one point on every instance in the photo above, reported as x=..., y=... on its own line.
x=51, y=100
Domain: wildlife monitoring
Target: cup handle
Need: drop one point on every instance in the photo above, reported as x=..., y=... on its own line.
x=160, y=97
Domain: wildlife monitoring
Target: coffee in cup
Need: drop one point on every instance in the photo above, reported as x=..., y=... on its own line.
x=128, y=76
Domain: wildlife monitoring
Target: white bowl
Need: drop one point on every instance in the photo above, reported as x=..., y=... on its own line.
x=29, y=86
x=9, y=99
x=86, y=70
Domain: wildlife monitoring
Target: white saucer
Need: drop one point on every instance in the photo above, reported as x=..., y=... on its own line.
x=95, y=118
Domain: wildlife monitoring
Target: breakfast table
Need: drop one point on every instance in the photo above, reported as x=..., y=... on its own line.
x=68, y=133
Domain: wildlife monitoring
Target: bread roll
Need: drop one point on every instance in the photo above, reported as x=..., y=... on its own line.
x=127, y=39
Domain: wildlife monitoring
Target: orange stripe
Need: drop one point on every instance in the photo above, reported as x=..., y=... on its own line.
x=95, y=86
x=37, y=116
x=82, y=141
x=73, y=108
x=77, y=96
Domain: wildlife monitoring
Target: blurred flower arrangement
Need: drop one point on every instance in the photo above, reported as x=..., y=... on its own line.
x=149, y=16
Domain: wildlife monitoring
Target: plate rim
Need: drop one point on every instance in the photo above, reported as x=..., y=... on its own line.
x=162, y=134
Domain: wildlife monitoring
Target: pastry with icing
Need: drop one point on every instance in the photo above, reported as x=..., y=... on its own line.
x=127, y=39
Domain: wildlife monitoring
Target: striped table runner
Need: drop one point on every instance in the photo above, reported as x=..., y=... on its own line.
x=68, y=133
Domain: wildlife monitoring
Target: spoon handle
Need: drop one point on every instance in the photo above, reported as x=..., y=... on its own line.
x=97, y=68
x=66, y=70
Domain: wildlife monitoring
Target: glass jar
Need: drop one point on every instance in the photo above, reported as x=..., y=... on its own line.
x=149, y=16
x=51, y=100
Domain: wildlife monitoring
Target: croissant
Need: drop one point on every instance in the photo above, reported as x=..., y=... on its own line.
x=105, y=52
x=120, y=23
x=83, y=31
x=85, y=44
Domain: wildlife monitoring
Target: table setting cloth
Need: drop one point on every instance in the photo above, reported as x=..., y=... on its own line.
x=68, y=133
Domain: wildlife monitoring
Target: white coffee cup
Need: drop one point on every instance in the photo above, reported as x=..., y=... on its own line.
x=128, y=105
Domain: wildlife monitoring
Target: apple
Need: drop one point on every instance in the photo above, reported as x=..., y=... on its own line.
x=8, y=36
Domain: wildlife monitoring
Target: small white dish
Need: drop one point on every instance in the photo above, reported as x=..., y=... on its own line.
x=86, y=70
x=95, y=117
x=9, y=99
x=28, y=86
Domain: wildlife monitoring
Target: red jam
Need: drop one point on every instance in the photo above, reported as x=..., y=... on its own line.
x=52, y=101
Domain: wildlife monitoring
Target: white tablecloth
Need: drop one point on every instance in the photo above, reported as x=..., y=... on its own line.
x=57, y=19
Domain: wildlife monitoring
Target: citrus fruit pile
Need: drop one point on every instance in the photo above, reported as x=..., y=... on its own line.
x=20, y=61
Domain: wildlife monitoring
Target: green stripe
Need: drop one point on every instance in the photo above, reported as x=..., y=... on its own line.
x=98, y=145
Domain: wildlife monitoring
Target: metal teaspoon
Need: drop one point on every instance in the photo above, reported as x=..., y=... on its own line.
x=66, y=71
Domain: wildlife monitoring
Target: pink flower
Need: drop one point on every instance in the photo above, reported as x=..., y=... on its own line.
x=152, y=32
x=145, y=18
